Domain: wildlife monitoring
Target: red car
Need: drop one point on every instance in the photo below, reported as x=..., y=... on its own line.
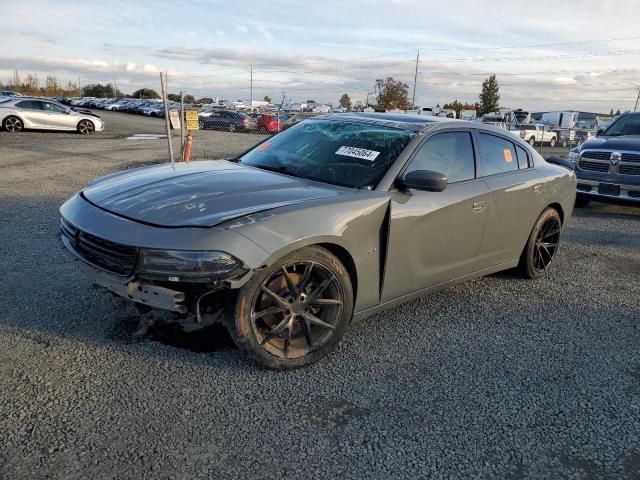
x=271, y=123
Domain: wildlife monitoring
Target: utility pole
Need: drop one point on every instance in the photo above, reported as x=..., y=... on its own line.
x=79, y=89
x=251, y=87
x=415, y=81
x=635, y=109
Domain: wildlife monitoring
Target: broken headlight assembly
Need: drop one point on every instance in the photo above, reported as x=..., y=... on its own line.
x=187, y=265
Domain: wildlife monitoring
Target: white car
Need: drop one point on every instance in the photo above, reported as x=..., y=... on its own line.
x=19, y=113
x=537, y=134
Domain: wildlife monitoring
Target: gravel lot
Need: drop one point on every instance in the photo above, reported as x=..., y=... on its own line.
x=497, y=378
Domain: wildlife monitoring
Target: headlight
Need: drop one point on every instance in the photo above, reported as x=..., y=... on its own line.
x=574, y=153
x=187, y=266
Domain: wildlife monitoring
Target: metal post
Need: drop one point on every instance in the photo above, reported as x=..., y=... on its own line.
x=635, y=109
x=415, y=81
x=164, y=88
x=181, y=126
x=251, y=87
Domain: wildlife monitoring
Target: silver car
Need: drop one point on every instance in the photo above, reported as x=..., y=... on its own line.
x=19, y=113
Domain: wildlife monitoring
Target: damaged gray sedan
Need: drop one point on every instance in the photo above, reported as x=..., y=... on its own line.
x=336, y=218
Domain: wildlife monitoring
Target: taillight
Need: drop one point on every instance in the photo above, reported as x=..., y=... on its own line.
x=245, y=120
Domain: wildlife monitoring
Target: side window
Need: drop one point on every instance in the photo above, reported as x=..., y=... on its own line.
x=498, y=154
x=523, y=158
x=29, y=105
x=52, y=107
x=448, y=153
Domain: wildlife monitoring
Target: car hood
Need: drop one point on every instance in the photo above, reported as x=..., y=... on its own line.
x=626, y=142
x=200, y=194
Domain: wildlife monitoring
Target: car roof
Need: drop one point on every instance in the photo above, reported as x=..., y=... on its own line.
x=395, y=120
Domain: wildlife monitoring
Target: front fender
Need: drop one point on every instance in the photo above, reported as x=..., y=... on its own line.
x=356, y=225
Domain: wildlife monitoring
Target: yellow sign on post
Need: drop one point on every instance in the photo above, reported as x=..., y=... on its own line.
x=192, y=120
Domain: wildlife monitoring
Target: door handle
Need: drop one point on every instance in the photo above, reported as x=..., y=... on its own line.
x=539, y=188
x=479, y=206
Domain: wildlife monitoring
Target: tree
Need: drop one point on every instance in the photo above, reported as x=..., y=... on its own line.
x=345, y=102
x=15, y=81
x=392, y=94
x=173, y=97
x=51, y=86
x=189, y=99
x=618, y=113
x=145, y=93
x=267, y=98
x=204, y=100
x=489, y=96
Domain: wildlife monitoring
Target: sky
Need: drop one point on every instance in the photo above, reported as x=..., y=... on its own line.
x=547, y=55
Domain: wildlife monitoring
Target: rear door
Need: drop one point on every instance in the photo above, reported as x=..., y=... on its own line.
x=32, y=113
x=435, y=236
x=515, y=201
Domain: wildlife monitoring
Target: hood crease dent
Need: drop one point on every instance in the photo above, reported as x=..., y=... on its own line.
x=200, y=194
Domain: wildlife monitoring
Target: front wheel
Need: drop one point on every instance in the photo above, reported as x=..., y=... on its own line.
x=542, y=244
x=13, y=124
x=553, y=142
x=232, y=128
x=532, y=141
x=295, y=312
x=86, y=127
x=582, y=202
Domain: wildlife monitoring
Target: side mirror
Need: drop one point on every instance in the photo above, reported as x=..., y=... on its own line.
x=426, y=180
x=599, y=132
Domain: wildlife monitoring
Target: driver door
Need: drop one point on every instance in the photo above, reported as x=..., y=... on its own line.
x=435, y=237
x=57, y=116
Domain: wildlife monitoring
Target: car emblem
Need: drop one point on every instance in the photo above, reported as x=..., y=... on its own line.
x=615, y=158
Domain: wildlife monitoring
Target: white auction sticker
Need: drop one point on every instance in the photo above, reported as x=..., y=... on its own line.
x=358, y=153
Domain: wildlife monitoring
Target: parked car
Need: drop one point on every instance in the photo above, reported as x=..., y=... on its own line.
x=228, y=120
x=9, y=93
x=537, y=134
x=339, y=216
x=21, y=113
x=608, y=166
x=271, y=123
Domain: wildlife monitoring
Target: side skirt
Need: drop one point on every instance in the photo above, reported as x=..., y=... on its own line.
x=363, y=314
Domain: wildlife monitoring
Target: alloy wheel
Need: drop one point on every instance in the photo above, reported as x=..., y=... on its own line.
x=297, y=309
x=546, y=244
x=13, y=124
x=86, y=127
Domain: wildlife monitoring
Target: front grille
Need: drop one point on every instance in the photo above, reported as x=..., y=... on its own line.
x=634, y=194
x=113, y=257
x=584, y=188
x=631, y=157
x=630, y=169
x=596, y=155
x=594, y=166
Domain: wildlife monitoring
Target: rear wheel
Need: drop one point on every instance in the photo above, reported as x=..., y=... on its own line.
x=12, y=124
x=232, y=128
x=532, y=141
x=295, y=312
x=86, y=127
x=542, y=244
x=553, y=142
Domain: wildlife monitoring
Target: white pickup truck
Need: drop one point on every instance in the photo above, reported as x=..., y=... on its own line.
x=537, y=134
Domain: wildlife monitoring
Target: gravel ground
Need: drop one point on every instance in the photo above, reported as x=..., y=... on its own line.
x=497, y=378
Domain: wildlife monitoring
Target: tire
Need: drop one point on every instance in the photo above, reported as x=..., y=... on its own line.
x=553, y=141
x=582, y=202
x=12, y=124
x=307, y=314
x=532, y=141
x=86, y=127
x=542, y=245
x=232, y=127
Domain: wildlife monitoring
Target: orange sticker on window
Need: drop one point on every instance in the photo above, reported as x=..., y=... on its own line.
x=507, y=155
x=264, y=146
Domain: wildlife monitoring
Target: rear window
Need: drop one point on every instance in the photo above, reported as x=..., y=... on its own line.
x=498, y=154
x=524, y=161
x=30, y=105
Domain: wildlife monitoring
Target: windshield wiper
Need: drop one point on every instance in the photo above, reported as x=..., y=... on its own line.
x=280, y=169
